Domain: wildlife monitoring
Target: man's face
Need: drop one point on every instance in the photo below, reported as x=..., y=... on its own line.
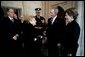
x=38, y=13
x=10, y=13
x=52, y=13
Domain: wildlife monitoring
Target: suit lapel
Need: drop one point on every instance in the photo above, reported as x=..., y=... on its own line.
x=55, y=21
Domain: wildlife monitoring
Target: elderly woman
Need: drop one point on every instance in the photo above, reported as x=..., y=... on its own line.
x=72, y=32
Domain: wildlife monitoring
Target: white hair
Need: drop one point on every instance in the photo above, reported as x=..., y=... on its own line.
x=56, y=10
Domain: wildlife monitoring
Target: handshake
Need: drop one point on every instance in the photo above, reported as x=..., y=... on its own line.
x=15, y=37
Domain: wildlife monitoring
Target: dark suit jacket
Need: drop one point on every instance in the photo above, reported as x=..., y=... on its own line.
x=9, y=30
x=72, y=32
x=55, y=35
x=55, y=30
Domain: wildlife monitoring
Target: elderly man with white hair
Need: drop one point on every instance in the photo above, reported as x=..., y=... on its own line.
x=55, y=32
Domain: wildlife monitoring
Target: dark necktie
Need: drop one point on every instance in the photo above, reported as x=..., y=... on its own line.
x=51, y=20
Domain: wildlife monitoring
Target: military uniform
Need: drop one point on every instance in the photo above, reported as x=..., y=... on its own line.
x=40, y=26
x=40, y=22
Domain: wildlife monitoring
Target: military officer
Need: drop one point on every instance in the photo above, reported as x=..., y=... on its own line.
x=40, y=21
x=39, y=27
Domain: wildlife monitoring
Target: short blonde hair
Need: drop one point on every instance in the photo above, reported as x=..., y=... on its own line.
x=30, y=18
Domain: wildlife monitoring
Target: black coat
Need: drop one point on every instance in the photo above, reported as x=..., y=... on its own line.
x=72, y=32
x=55, y=34
x=9, y=30
x=28, y=33
x=28, y=36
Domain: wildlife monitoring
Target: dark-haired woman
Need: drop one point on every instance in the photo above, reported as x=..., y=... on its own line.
x=72, y=32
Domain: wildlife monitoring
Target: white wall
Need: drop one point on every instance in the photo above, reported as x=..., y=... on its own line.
x=80, y=20
x=16, y=4
x=28, y=7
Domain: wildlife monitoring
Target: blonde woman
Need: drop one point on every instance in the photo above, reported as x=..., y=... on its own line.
x=29, y=35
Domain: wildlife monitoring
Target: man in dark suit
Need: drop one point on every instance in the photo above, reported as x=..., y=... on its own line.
x=20, y=39
x=10, y=34
x=55, y=33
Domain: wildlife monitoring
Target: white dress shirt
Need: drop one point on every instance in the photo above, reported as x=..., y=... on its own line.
x=53, y=19
x=11, y=18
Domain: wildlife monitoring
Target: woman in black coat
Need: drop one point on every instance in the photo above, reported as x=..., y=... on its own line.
x=72, y=32
x=29, y=35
